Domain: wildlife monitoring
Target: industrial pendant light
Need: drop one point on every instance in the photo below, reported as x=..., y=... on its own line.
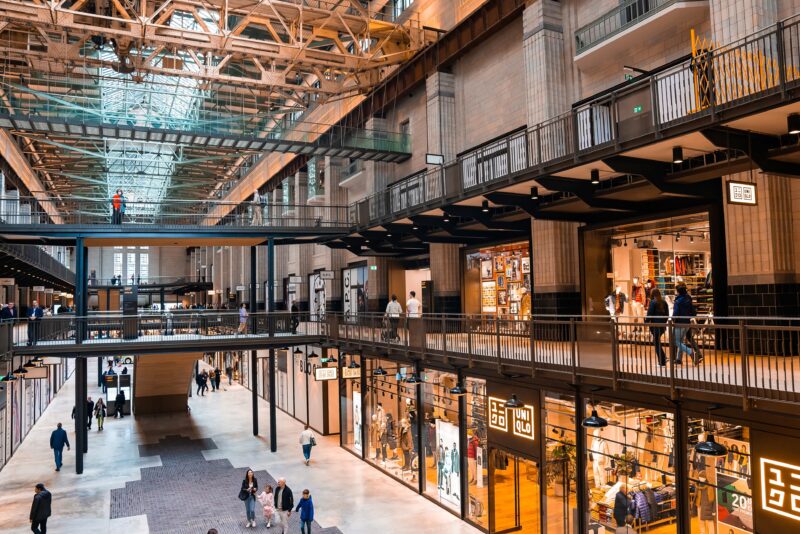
x=458, y=391
x=413, y=379
x=353, y=363
x=595, y=176
x=297, y=351
x=793, y=123
x=485, y=206
x=313, y=355
x=9, y=378
x=514, y=402
x=594, y=420
x=379, y=372
x=534, y=193
x=677, y=155
x=29, y=364
x=710, y=447
x=20, y=371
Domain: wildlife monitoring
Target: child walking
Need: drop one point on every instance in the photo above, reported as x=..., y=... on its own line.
x=266, y=498
x=306, y=509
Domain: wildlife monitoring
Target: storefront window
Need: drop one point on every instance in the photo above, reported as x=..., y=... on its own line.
x=355, y=290
x=477, y=453
x=561, y=469
x=391, y=404
x=350, y=403
x=720, y=487
x=498, y=281
x=440, y=436
x=630, y=469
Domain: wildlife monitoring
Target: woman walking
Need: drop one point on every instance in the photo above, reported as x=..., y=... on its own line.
x=248, y=495
x=658, y=312
x=265, y=498
x=100, y=413
x=307, y=440
x=243, y=315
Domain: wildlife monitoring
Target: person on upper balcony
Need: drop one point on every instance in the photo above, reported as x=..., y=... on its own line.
x=117, y=207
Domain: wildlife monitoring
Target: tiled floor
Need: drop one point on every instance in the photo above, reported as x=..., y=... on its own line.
x=348, y=493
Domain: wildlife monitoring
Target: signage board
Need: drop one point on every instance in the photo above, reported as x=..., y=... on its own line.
x=7, y=282
x=38, y=288
x=351, y=373
x=434, y=159
x=36, y=372
x=775, y=502
x=742, y=193
x=326, y=373
x=295, y=279
x=48, y=291
x=211, y=292
x=513, y=428
x=326, y=275
x=241, y=288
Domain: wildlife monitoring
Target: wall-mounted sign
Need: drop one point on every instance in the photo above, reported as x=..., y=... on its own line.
x=212, y=292
x=780, y=488
x=434, y=159
x=326, y=373
x=326, y=275
x=351, y=373
x=241, y=288
x=742, y=193
x=6, y=282
x=514, y=429
x=48, y=291
x=38, y=288
x=295, y=279
x=36, y=372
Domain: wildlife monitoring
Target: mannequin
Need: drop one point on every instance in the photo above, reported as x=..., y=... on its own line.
x=599, y=450
x=705, y=500
x=405, y=444
x=375, y=435
x=638, y=299
x=615, y=302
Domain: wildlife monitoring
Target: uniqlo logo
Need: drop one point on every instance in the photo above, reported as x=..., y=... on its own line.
x=780, y=488
x=498, y=418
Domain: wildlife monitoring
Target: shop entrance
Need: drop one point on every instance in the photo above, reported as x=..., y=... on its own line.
x=514, y=493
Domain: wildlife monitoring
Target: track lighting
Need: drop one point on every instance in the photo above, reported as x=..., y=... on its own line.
x=595, y=176
x=594, y=420
x=485, y=206
x=514, y=402
x=534, y=193
x=793, y=123
x=677, y=155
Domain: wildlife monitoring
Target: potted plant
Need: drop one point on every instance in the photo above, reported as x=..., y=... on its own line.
x=561, y=466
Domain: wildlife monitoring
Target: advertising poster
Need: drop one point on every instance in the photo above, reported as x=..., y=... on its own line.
x=357, y=421
x=448, y=462
x=734, y=505
x=317, y=296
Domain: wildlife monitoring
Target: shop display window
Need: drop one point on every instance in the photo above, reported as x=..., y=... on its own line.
x=440, y=439
x=477, y=453
x=355, y=291
x=631, y=469
x=561, y=464
x=515, y=486
x=498, y=281
x=720, y=487
x=350, y=404
x=391, y=407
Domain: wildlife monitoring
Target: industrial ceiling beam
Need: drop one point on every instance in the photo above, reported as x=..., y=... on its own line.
x=754, y=145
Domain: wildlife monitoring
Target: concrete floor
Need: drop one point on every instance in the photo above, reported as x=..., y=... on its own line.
x=348, y=494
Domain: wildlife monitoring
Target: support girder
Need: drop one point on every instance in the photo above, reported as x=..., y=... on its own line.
x=755, y=145
x=656, y=173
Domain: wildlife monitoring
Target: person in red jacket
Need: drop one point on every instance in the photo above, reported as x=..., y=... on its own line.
x=117, y=207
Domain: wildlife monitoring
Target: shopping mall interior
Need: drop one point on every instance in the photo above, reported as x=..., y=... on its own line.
x=448, y=266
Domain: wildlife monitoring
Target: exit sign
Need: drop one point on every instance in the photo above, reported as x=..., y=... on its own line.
x=373, y=267
x=637, y=109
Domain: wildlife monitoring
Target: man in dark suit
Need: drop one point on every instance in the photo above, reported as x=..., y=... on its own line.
x=34, y=318
x=9, y=313
x=40, y=509
x=58, y=440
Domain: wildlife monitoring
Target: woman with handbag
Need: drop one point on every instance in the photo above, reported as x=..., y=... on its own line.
x=248, y=495
x=100, y=413
x=307, y=440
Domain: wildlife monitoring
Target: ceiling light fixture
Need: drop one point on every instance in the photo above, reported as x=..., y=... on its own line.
x=595, y=176
x=514, y=402
x=594, y=420
x=534, y=193
x=353, y=363
x=379, y=372
x=710, y=447
x=458, y=391
x=793, y=123
x=677, y=155
x=485, y=206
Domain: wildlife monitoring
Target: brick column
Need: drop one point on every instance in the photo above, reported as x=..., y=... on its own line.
x=446, y=273
x=556, y=280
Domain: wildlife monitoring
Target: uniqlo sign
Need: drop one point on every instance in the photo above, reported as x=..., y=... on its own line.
x=780, y=488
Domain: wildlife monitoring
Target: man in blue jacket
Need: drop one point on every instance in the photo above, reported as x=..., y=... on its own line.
x=306, y=509
x=682, y=312
x=58, y=439
x=34, y=317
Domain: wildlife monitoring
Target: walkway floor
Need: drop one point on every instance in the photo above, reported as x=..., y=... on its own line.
x=134, y=458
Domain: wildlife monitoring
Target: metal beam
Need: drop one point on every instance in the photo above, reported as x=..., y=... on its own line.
x=755, y=145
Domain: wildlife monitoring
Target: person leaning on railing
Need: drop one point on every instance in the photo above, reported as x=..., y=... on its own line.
x=35, y=315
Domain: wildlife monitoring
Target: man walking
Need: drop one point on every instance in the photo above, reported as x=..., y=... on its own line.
x=40, y=509
x=243, y=315
x=34, y=316
x=217, y=377
x=229, y=372
x=58, y=439
x=413, y=306
x=119, y=404
x=307, y=441
x=393, y=311
x=284, y=503
x=89, y=412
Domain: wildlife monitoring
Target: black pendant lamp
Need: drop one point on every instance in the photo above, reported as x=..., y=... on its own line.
x=458, y=391
x=793, y=123
x=379, y=372
x=20, y=371
x=514, y=402
x=297, y=351
x=29, y=364
x=413, y=379
x=9, y=377
x=594, y=420
x=313, y=355
x=710, y=447
x=353, y=363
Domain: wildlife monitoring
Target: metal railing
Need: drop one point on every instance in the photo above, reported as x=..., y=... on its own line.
x=761, y=65
x=158, y=327
x=620, y=18
x=36, y=257
x=754, y=358
x=172, y=213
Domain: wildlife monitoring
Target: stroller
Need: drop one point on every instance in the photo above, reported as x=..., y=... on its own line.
x=387, y=336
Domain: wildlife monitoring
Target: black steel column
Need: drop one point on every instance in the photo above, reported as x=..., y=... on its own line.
x=681, y=455
x=580, y=462
x=273, y=426
x=163, y=296
x=418, y=401
x=462, y=445
x=80, y=413
x=254, y=330
x=99, y=371
x=365, y=452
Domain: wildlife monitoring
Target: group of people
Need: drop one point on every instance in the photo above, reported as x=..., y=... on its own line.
x=214, y=377
x=394, y=310
x=683, y=310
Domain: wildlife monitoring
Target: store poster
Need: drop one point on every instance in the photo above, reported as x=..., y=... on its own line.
x=734, y=496
x=448, y=462
x=354, y=291
x=488, y=297
x=317, y=296
x=357, y=421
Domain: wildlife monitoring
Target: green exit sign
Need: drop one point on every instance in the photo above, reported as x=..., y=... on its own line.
x=373, y=267
x=637, y=109
x=628, y=77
